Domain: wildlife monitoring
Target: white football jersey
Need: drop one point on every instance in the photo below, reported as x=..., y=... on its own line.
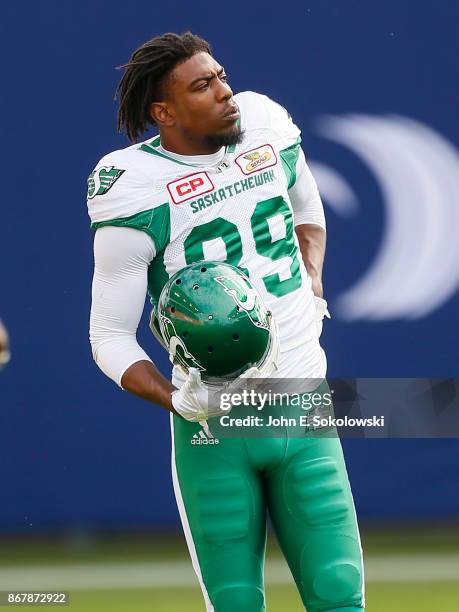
x=233, y=206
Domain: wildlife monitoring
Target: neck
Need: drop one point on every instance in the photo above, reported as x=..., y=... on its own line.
x=186, y=147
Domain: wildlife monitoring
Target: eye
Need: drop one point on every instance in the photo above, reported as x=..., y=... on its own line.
x=204, y=86
x=224, y=78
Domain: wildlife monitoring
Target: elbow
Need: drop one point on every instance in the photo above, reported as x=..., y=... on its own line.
x=94, y=353
x=96, y=342
x=311, y=235
x=93, y=344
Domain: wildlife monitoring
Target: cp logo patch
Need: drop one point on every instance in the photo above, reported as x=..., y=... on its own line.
x=189, y=187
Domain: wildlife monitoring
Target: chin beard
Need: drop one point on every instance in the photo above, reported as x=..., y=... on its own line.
x=235, y=136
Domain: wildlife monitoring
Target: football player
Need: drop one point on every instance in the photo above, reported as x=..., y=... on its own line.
x=224, y=180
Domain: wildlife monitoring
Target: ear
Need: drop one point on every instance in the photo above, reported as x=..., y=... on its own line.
x=161, y=115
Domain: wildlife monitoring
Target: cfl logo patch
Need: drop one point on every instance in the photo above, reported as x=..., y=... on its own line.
x=189, y=187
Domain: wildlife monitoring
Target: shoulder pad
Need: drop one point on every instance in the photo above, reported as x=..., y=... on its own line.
x=260, y=112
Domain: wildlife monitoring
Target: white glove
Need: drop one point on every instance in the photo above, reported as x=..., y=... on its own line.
x=271, y=363
x=195, y=401
x=321, y=312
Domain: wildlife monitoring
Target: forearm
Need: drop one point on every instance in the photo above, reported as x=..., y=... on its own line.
x=312, y=242
x=309, y=219
x=145, y=380
x=122, y=257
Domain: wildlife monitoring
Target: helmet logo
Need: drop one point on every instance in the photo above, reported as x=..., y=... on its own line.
x=246, y=298
x=178, y=357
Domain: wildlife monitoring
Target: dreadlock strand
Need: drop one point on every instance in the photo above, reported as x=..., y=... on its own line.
x=145, y=75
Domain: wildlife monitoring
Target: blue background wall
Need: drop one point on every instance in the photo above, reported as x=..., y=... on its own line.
x=76, y=451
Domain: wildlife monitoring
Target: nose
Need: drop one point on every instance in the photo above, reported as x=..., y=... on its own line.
x=224, y=91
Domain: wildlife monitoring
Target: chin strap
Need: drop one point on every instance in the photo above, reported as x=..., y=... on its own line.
x=265, y=369
x=270, y=364
x=155, y=329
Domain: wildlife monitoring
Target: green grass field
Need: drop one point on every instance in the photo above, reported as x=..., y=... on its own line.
x=408, y=597
x=409, y=570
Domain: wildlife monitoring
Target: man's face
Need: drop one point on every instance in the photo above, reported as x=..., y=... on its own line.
x=200, y=102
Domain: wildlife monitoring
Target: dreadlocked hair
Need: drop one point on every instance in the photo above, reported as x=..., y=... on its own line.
x=145, y=75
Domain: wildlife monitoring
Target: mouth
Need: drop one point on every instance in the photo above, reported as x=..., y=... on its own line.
x=231, y=114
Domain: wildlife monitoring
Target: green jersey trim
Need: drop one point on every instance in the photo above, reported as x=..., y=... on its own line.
x=154, y=222
x=157, y=278
x=150, y=148
x=289, y=157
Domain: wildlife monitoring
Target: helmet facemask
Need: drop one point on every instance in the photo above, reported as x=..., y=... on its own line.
x=210, y=317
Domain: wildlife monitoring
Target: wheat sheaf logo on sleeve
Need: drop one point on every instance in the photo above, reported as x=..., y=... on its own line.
x=257, y=159
x=102, y=179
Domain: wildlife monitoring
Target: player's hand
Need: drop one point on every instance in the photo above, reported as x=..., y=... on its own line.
x=321, y=312
x=196, y=401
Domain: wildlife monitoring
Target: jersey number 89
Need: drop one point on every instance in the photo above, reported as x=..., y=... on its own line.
x=264, y=243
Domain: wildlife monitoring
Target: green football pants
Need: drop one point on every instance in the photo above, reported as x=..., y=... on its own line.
x=224, y=490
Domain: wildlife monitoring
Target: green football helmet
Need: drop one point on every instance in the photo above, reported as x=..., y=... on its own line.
x=210, y=317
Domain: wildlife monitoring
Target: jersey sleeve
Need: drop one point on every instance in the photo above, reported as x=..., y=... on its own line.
x=121, y=194
x=304, y=195
x=117, y=188
x=121, y=260
x=287, y=137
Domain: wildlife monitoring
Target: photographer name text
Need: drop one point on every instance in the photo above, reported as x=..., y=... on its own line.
x=304, y=420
